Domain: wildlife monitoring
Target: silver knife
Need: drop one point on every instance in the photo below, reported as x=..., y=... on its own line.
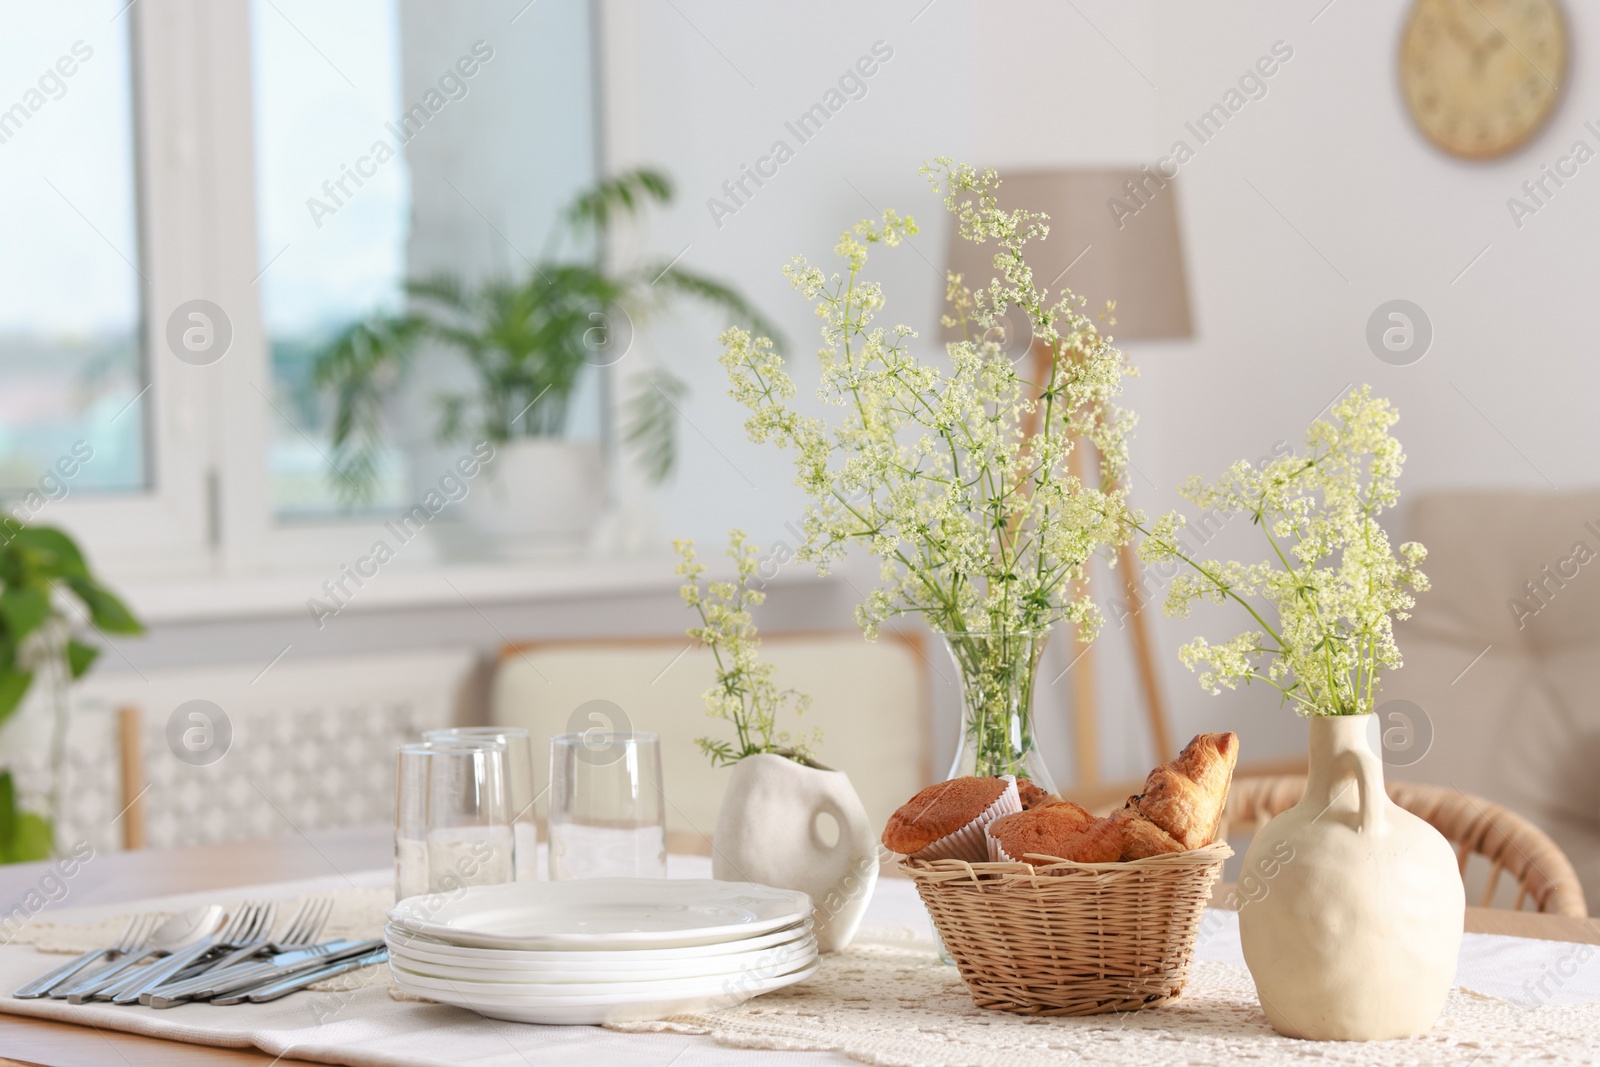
x=198, y=985
x=262, y=994
x=246, y=975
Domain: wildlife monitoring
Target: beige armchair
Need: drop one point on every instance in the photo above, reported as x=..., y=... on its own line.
x=1503, y=659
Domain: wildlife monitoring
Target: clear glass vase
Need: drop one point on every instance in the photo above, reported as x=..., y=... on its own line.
x=997, y=672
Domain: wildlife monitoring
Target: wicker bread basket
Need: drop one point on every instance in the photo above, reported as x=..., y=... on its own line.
x=1063, y=938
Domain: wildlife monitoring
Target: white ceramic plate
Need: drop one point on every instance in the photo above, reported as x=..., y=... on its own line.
x=469, y=956
x=602, y=913
x=593, y=1010
x=602, y=962
x=537, y=978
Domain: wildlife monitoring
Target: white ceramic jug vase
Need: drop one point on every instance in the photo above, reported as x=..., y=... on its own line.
x=768, y=832
x=1356, y=923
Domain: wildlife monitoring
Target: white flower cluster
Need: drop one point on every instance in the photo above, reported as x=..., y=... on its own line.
x=745, y=693
x=957, y=478
x=1333, y=578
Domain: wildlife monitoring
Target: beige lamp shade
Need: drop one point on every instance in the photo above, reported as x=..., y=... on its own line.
x=1113, y=236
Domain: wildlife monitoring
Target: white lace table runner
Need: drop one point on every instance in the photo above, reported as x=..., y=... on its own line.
x=889, y=1001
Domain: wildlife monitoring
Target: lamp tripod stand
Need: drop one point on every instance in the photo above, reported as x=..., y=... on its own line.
x=1085, y=692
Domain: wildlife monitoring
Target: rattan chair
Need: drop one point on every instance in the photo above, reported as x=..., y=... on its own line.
x=1512, y=845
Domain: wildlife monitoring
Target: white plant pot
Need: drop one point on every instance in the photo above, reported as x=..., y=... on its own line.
x=537, y=495
x=1356, y=924
x=767, y=832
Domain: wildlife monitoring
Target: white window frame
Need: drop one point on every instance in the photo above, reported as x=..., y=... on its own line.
x=207, y=509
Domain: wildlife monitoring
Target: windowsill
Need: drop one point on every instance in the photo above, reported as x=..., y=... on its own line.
x=190, y=599
x=393, y=589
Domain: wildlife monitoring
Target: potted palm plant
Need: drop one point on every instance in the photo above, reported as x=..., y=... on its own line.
x=529, y=342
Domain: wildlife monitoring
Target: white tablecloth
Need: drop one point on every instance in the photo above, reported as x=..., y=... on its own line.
x=370, y=1028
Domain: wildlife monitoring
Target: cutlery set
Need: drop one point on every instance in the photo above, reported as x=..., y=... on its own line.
x=207, y=954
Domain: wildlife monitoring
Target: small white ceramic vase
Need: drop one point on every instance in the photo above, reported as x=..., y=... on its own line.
x=768, y=832
x=1352, y=923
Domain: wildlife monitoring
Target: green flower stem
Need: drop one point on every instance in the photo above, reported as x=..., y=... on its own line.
x=998, y=675
x=1221, y=586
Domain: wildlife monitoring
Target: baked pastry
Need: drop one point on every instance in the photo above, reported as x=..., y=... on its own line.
x=947, y=820
x=1062, y=830
x=1185, y=796
x=1034, y=796
x=1141, y=838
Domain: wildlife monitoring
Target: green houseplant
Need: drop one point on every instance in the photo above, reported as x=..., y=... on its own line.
x=956, y=474
x=48, y=597
x=526, y=340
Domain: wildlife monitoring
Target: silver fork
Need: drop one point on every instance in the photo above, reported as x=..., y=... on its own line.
x=178, y=931
x=306, y=926
x=244, y=928
x=134, y=936
x=302, y=932
x=222, y=954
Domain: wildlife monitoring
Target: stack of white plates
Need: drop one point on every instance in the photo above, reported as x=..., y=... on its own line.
x=601, y=950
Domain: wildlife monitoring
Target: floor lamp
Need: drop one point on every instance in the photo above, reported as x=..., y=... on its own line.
x=1113, y=236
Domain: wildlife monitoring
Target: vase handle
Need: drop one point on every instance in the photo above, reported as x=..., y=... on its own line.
x=1367, y=772
x=852, y=860
x=848, y=815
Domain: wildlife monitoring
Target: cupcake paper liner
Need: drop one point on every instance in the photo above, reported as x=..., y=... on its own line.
x=970, y=843
x=997, y=854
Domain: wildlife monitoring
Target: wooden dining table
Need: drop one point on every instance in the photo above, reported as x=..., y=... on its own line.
x=125, y=877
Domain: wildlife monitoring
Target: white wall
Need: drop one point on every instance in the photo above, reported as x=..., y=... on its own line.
x=1340, y=177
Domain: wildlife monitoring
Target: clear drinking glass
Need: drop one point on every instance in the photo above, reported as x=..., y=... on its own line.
x=607, y=815
x=519, y=779
x=452, y=817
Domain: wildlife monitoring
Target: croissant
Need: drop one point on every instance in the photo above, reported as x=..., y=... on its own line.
x=1141, y=837
x=1185, y=796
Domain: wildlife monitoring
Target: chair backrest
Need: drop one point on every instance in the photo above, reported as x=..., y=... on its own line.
x=1540, y=871
x=870, y=701
x=312, y=746
x=1502, y=659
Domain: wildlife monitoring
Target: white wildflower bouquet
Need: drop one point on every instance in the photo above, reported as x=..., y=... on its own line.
x=745, y=693
x=1332, y=579
x=955, y=474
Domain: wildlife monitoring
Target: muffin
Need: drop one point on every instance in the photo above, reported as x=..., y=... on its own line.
x=1062, y=830
x=1034, y=796
x=946, y=821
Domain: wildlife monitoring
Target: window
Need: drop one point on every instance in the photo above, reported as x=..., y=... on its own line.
x=158, y=157
x=71, y=284
x=333, y=204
